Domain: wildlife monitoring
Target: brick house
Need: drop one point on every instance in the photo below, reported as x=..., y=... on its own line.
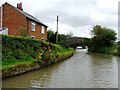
x=20, y=23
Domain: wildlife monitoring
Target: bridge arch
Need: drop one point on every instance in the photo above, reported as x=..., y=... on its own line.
x=74, y=42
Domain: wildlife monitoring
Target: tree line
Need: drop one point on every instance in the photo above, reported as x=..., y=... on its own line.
x=51, y=36
x=102, y=40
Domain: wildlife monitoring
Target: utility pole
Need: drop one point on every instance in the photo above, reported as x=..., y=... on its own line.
x=57, y=31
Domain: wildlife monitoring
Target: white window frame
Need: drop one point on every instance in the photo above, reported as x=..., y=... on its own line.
x=42, y=39
x=33, y=37
x=33, y=26
x=43, y=30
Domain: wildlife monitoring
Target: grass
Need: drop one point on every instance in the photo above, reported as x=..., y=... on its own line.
x=21, y=54
x=113, y=50
x=64, y=53
x=14, y=62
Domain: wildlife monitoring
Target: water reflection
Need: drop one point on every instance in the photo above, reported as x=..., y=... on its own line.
x=80, y=71
x=118, y=58
x=104, y=71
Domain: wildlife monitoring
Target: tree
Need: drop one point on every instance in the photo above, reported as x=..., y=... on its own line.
x=119, y=48
x=70, y=34
x=86, y=41
x=51, y=36
x=102, y=37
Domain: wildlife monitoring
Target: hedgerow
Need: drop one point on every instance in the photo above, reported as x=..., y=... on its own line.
x=17, y=49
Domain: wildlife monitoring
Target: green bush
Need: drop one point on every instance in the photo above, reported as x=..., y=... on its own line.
x=18, y=47
x=17, y=50
x=102, y=40
x=119, y=49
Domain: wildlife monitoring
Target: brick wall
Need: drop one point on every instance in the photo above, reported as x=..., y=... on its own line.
x=38, y=30
x=45, y=35
x=13, y=20
x=18, y=24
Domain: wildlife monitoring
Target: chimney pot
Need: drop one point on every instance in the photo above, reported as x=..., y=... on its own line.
x=19, y=6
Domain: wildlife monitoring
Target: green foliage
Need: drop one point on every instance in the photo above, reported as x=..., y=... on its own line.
x=13, y=62
x=86, y=41
x=18, y=47
x=102, y=38
x=119, y=49
x=62, y=39
x=57, y=47
x=20, y=50
x=51, y=35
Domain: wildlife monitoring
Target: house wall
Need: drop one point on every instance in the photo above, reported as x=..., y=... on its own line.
x=45, y=35
x=13, y=20
x=18, y=24
x=38, y=30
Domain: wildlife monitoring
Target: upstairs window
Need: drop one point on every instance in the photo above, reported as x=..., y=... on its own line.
x=32, y=26
x=43, y=30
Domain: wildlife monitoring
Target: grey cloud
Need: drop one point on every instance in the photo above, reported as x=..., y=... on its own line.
x=64, y=18
x=77, y=21
x=70, y=14
x=73, y=13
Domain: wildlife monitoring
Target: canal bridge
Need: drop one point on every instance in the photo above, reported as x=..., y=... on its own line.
x=75, y=42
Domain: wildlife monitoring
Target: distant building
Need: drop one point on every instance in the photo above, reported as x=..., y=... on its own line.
x=20, y=23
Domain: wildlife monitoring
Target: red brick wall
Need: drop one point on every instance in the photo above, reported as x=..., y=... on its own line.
x=38, y=29
x=45, y=35
x=13, y=20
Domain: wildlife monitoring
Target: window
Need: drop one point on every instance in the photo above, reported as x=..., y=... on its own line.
x=32, y=26
x=43, y=29
x=32, y=36
x=42, y=39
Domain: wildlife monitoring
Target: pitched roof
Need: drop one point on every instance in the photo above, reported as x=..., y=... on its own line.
x=29, y=16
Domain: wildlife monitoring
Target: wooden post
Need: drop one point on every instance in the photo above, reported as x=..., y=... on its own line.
x=57, y=31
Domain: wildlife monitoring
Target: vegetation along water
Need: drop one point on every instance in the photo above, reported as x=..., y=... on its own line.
x=83, y=70
x=86, y=67
x=103, y=41
x=23, y=54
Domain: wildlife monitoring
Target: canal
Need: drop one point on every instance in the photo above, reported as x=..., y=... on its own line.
x=83, y=70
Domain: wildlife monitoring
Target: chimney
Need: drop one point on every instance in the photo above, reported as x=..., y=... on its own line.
x=19, y=6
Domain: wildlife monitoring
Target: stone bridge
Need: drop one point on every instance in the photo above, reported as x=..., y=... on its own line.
x=75, y=41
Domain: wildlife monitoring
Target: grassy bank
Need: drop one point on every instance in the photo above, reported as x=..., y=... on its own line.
x=20, y=55
x=118, y=49
x=113, y=50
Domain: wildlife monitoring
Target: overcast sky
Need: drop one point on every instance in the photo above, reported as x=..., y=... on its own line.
x=76, y=16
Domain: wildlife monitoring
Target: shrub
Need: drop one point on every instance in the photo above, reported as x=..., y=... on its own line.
x=17, y=50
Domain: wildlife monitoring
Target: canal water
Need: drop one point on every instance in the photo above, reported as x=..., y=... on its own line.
x=83, y=70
